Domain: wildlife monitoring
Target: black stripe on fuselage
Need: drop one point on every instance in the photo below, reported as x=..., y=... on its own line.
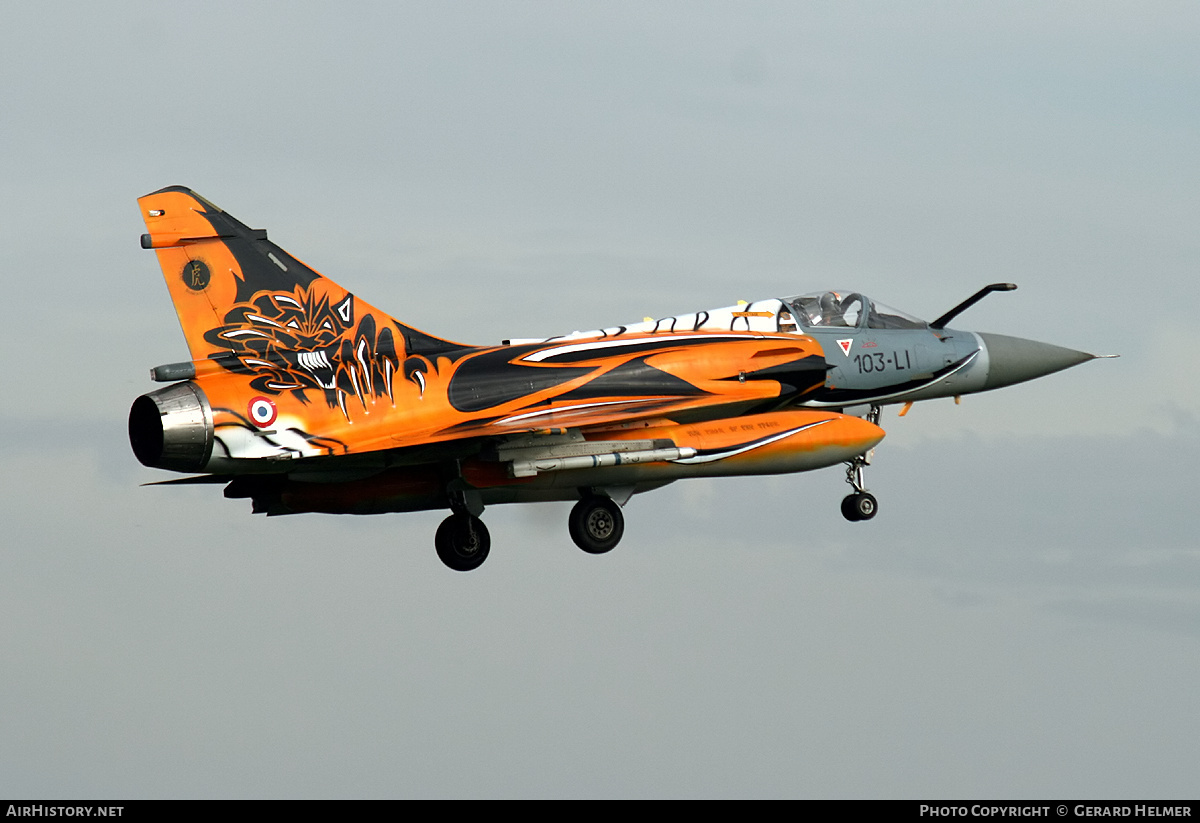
x=492, y=379
x=635, y=378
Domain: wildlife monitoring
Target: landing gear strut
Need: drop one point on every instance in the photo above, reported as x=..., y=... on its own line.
x=861, y=504
x=596, y=524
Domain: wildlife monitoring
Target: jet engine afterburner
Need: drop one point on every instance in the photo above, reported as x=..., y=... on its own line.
x=172, y=428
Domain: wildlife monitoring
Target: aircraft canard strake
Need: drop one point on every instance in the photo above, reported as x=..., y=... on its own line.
x=305, y=398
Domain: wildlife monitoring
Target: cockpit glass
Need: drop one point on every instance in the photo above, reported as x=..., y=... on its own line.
x=827, y=309
x=885, y=317
x=834, y=309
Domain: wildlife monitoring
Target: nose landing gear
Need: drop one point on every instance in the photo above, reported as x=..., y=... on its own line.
x=861, y=504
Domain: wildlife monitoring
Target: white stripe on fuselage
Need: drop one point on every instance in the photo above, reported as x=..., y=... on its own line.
x=758, y=444
x=665, y=340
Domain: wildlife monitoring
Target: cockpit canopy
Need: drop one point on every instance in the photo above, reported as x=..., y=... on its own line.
x=819, y=312
x=834, y=309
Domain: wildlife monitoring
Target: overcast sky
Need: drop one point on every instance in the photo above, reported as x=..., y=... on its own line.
x=1022, y=619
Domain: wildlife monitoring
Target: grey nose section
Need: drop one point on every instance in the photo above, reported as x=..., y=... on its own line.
x=1015, y=359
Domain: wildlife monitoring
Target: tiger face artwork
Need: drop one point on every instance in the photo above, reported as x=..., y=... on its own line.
x=309, y=341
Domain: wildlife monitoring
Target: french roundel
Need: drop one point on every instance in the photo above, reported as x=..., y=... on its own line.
x=262, y=412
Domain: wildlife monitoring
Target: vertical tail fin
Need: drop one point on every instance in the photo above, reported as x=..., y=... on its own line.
x=229, y=283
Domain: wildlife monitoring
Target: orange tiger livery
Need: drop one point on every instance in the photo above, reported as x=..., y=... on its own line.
x=303, y=397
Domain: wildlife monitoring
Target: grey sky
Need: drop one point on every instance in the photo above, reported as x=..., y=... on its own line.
x=1022, y=618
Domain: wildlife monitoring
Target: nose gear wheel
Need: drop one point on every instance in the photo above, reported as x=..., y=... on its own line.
x=859, y=506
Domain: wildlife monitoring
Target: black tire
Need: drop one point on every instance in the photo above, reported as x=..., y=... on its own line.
x=596, y=524
x=462, y=542
x=849, y=511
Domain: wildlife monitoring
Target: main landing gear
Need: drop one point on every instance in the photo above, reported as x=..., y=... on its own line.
x=462, y=540
x=861, y=504
x=596, y=524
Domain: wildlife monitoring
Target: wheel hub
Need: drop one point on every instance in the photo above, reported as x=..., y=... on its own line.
x=600, y=524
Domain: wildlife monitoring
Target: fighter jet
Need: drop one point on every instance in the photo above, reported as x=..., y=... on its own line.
x=304, y=398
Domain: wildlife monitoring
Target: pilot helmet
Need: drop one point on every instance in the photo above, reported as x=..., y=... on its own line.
x=831, y=304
